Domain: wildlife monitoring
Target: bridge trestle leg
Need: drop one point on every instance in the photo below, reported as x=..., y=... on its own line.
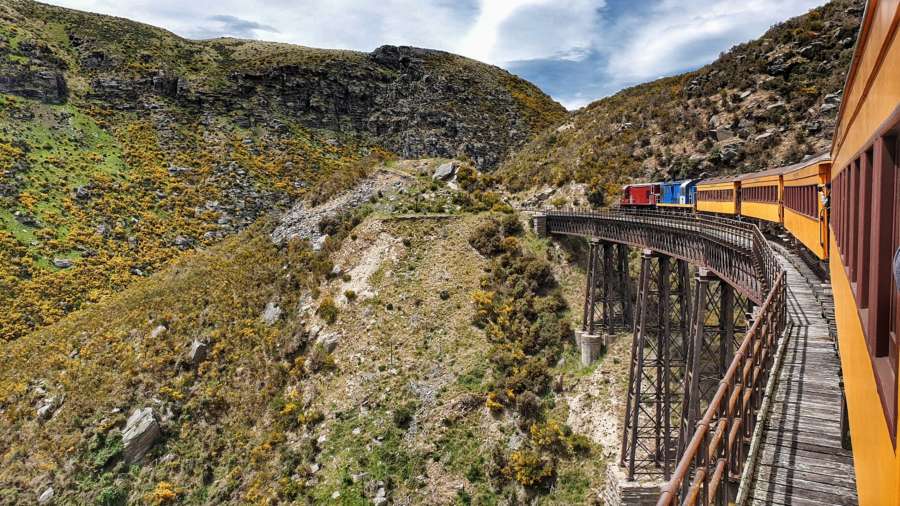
x=719, y=321
x=607, y=299
x=590, y=341
x=653, y=404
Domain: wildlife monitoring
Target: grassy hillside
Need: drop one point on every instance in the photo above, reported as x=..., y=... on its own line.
x=397, y=362
x=122, y=145
x=767, y=102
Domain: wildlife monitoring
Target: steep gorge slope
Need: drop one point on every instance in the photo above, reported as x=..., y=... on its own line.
x=122, y=145
x=764, y=103
x=417, y=358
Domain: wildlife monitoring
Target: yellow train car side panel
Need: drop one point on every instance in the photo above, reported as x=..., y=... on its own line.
x=806, y=230
x=876, y=463
x=713, y=206
x=812, y=232
x=717, y=206
x=870, y=106
x=761, y=211
x=756, y=205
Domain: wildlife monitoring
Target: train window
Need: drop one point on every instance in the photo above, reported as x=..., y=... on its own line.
x=715, y=195
x=864, y=227
x=838, y=187
x=894, y=330
x=834, y=219
x=839, y=209
x=881, y=319
x=853, y=203
x=759, y=194
x=802, y=199
x=846, y=214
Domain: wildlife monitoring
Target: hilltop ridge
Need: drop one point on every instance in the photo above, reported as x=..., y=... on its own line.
x=766, y=102
x=122, y=144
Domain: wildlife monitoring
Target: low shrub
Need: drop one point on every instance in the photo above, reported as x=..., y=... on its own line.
x=529, y=468
x=328, y=310
x=319, y=360
x=403, y=415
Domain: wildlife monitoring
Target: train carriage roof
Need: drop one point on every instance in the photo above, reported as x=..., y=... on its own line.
x=822, y=157
x=775, y=171
x=636, y=185
x=719, y=179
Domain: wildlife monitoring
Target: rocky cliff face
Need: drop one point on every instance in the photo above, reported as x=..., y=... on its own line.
x=121, y=144
x=764, y=103
x=411, y=101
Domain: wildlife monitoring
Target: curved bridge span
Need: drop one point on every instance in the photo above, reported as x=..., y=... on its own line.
x=709, y=309
x=735, y=251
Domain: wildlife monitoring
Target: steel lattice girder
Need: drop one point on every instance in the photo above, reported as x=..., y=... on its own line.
x=653, y=405
x=608, y=294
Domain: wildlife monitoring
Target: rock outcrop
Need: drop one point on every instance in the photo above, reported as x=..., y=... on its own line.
x=303, y=220
x=415, y=102
x=140, y=434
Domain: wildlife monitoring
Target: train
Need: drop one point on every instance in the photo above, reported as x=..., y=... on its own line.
x=794, y=197
x=843, y=206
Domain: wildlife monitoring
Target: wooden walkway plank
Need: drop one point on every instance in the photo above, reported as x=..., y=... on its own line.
x=801, y=460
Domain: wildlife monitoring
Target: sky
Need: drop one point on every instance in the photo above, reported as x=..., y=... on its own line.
x=577, y=51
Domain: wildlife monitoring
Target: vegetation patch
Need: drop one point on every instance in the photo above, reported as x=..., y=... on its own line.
x=523, y=313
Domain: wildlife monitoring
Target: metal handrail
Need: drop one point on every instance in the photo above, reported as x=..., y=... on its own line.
x=734, y=250
x=739, y=254
x=750, y=365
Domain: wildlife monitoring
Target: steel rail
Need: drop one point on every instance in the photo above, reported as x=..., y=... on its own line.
x=738, y=253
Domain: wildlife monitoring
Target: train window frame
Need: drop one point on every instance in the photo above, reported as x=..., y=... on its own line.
x=867, y=233
x=853, y=203
x=766, y=194
x=881, y=298
x=864, y=254
x=803, y=200
x=717, y=195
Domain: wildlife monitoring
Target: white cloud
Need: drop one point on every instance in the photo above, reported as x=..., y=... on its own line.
x=510, y=30
x=343, y=24
x=494, y=31
x=675, y=35
x=577, y=50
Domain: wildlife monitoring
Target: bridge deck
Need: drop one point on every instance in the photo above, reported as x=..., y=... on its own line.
x=800, y=459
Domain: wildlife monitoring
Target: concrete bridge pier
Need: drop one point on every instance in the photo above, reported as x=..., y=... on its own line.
x=539, y=224
x=608, y=305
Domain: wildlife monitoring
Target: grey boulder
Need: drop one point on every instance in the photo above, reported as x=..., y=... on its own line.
x=445, y=171
x=271, y=313
x=198, y=352
x=46, y=496
x=328, y=341
x=140, y=434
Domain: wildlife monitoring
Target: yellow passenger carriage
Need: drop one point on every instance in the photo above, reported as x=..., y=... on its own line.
x=719, y=195
x=865, y=225
x=805, y=193
x=761, y=195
